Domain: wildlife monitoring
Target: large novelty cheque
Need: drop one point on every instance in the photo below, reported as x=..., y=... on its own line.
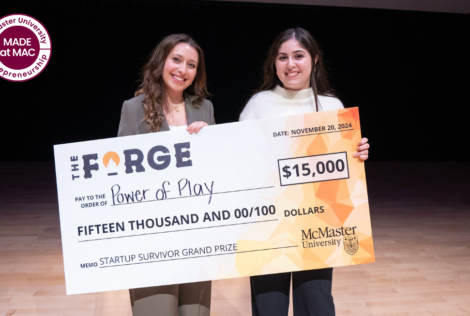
x=239, y=199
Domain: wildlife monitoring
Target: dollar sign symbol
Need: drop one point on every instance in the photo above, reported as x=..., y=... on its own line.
x=287, y=172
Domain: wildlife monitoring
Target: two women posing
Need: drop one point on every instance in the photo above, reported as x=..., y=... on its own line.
x=172, y=95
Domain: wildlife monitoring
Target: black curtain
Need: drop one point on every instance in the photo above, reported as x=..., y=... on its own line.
x=407, y=71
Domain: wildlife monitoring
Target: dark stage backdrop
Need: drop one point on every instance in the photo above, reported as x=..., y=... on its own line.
x=407, y=71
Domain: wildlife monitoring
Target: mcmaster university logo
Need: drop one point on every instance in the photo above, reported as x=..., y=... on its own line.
x=351, y=244
x=329, y=236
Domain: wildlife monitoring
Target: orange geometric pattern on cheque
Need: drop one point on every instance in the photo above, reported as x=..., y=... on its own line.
x=345, y=205
x=111, y=155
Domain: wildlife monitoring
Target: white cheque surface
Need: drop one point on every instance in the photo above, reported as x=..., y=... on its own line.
x=167, y=208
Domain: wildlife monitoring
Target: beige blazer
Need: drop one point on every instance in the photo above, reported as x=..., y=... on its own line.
x=132, y=115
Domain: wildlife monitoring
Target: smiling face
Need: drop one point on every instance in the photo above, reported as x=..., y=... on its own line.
x=294, y=65
x=180, y=68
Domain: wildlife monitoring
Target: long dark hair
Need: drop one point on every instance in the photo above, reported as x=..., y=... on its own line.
x=318, y=77
x=153, y=86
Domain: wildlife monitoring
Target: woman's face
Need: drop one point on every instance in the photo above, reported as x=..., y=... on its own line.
x=180, y=68
x=294, y=65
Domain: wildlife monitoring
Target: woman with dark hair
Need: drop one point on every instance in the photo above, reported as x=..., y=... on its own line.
x=295, y=82
x=171, y=97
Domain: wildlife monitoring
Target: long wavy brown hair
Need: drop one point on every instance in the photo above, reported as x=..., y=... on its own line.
x=153, y=86
x=318, y=77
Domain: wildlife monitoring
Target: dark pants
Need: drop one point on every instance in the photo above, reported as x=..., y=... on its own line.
x=312, y=293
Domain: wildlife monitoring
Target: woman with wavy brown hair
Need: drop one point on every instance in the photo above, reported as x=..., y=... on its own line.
x=171, y=96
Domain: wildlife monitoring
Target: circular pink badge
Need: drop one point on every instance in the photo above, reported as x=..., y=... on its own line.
x=25, y=47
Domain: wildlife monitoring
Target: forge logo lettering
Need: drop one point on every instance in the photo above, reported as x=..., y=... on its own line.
x=25, y=47
x=157, y=158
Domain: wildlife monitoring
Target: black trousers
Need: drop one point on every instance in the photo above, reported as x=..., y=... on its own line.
x=312, y=293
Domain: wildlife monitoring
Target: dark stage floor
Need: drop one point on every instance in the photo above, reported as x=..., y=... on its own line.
x=420, y=221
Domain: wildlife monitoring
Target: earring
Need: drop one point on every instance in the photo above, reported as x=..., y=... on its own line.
x=314, y=69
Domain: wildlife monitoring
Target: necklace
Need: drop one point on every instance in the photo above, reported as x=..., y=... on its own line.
x=175, y=108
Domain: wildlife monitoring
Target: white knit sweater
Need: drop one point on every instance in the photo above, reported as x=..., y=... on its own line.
x=282, y=102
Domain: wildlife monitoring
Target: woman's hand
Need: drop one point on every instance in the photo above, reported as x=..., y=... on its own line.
x=195, y=127
x=362, y=150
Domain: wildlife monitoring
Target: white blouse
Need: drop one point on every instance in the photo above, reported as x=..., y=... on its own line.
x=282, y=102
x=177, y=128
